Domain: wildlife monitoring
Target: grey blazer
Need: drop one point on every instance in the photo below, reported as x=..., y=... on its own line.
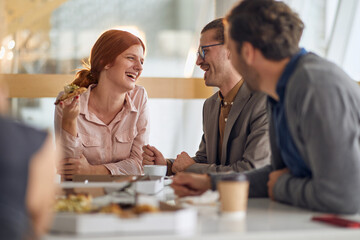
x=323, y=112
x=246, y=139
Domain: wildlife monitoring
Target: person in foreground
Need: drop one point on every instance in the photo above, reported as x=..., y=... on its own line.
x=235, y=123
x=27, y=176
x=314, y=111
x=103, y=130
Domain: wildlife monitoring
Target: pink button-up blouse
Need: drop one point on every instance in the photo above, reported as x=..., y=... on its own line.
x=118, y=145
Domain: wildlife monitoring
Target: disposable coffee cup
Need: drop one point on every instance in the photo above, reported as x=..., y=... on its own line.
x=233, y=191
x=155, y=170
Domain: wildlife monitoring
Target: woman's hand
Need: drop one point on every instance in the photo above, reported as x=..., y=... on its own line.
x=71, y=111
x=80, y=166
x=152, y=156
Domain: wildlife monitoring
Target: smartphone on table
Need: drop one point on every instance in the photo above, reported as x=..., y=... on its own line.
x=337, y=221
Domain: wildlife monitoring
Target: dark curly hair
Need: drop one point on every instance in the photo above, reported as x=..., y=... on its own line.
x=270, y=26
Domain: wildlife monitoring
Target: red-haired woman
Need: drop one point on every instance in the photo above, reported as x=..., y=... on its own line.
x=103, y=130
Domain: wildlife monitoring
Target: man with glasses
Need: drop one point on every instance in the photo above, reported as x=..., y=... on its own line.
x=314, y=109
x=235, y=121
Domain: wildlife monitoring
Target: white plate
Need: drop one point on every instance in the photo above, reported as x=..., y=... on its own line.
x=171, y=221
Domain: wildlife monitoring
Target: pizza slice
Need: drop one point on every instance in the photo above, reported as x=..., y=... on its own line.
x=70, y=91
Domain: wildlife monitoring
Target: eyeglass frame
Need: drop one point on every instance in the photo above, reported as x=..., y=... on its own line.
x=202, y=53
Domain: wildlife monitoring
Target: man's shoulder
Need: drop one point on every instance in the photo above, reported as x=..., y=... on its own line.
x=314, y=70
x=13, y=126
x=258, y=98
x=212, y=99
x=254, y=100
x=315, y=74
x=21, y=135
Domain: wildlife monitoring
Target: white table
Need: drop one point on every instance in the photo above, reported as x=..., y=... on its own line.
x=265, y=220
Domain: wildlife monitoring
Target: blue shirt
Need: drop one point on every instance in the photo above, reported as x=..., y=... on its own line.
x=284, y=141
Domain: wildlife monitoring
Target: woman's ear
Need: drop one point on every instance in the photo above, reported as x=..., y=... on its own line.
x=248, y=53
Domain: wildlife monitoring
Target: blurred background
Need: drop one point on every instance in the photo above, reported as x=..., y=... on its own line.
x=54, y=36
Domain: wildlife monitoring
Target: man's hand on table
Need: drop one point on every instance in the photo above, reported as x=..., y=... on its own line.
x=273, y=177
x=152, y=156
x=190, y=184
x=182, y=162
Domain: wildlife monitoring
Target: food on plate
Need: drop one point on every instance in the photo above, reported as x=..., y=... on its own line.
x=70, y=91
x=79, y=203
x=145, y=208
x=82, y=203
x=130, y=213
x=112, y=208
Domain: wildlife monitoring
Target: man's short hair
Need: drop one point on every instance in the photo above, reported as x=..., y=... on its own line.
x=270, y=26
x=218, y=25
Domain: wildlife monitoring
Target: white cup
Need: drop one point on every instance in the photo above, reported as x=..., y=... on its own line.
x=155, y=170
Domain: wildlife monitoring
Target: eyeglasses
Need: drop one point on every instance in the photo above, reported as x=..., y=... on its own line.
x=201, y=51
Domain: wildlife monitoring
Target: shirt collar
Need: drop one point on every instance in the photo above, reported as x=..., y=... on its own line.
x=84, y=101
x=129, y=103
x=289, y=69
x=232, y=94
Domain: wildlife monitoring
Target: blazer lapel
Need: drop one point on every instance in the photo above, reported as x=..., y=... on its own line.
x=240, y=101
x=213, y=130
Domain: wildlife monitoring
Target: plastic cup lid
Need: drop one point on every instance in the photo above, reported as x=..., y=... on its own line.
x=234, y=177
